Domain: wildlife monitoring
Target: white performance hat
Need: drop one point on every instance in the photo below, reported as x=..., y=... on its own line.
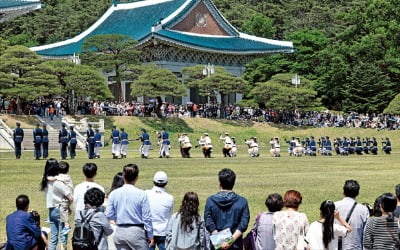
x=160, y=177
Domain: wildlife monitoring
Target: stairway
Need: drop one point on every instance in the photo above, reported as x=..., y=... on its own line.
x=28, y=139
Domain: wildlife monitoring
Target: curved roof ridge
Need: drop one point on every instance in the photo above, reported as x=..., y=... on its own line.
x=199, y=35
x=176, y=13
x=266, y=40
x=122, y=6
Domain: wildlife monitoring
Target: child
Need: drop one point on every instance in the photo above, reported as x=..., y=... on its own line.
x=42, y=241
x=65, y=204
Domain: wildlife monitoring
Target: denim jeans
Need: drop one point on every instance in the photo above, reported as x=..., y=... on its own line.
x=158, y=241
x=55, y=227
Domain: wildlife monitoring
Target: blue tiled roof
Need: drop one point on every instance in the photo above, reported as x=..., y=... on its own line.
x=135, y=22
x=221, y=43
x=137, y=19
x=4, y=4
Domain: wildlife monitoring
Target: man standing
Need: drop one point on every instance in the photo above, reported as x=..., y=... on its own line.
x=358, y=215
x=37, y=141
x=22, y=230
x=63, y=139
x=90, y=171
x=45, y=141
x=115, y=142
x=165, y=143
x=146, y=144
x=226, y=209
x=91, y=141
x=97, y=145
x=129, y=207
x=124, y=143
x=161, y=207
x=18, y=137
x=72, y=142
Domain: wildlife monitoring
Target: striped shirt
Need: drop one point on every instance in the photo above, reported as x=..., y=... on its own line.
x=379, y=233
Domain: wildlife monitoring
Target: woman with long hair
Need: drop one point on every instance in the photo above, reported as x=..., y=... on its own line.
x=383, y=232
x=185, y=229
x=55, y=191
x=324, y=233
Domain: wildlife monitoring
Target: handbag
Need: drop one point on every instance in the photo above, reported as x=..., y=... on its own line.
x=301, y=243
x=249, y=242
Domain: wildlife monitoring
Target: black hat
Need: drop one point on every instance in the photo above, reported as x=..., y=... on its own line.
x=18, y=124
x=71, y=127
x=122, y=129
x=63, y=124
x=90, y=125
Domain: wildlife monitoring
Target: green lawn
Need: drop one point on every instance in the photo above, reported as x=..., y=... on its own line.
x=317, y=178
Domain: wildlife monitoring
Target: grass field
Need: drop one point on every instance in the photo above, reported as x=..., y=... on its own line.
x=317, y=178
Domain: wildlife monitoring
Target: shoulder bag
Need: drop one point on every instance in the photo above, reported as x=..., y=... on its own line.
x=340, y=239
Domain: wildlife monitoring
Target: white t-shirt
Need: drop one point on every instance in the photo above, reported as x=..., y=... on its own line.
x=161, y=207
x=79, y=195
x=314, y=236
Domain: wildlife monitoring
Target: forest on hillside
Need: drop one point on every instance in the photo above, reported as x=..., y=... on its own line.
x=347, y=49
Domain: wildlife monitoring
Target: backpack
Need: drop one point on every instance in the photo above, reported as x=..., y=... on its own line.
x=83, y=237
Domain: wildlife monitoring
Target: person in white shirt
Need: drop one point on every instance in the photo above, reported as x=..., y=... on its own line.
x=90, y=171
x=161, y=207
x=324, y=233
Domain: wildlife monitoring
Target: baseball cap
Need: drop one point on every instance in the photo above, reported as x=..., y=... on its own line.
x=160, y=177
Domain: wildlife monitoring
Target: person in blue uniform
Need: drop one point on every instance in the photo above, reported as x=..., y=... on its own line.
x=165, y=144
x=346, y=144
x=359, y=147
x=328, y=146
x=124, y=143
x=146, y=144
x=115, y=149
x=98, y=144
x=18, y=137
x=352, y=147
x=37, y=141
x=91, y=141
x=72, y=142
x=63, y=139
x=313, y=146
x=45, y=141
x=387, y=146
x=374, y=148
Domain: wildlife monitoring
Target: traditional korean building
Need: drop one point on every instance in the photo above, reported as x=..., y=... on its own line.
x=10, y=9
x=174, y=34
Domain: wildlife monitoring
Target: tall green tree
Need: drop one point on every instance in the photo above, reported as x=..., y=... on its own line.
x=279, y=93
x=111, y=53
x=157, y=82
x=76, y=80
x=259, y=25
x=24, y=76
x=394, y=106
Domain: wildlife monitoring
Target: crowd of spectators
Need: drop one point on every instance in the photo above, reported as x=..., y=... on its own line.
x=210, y=110
x=146, y=219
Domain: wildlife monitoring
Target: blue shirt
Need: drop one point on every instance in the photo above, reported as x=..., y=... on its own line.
x=124, y=138
x=358, y=220
x=145, y=138
x=22, y=230
x=227, y=210
x=129, y=205
x=37, y=135
x=45, y=135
